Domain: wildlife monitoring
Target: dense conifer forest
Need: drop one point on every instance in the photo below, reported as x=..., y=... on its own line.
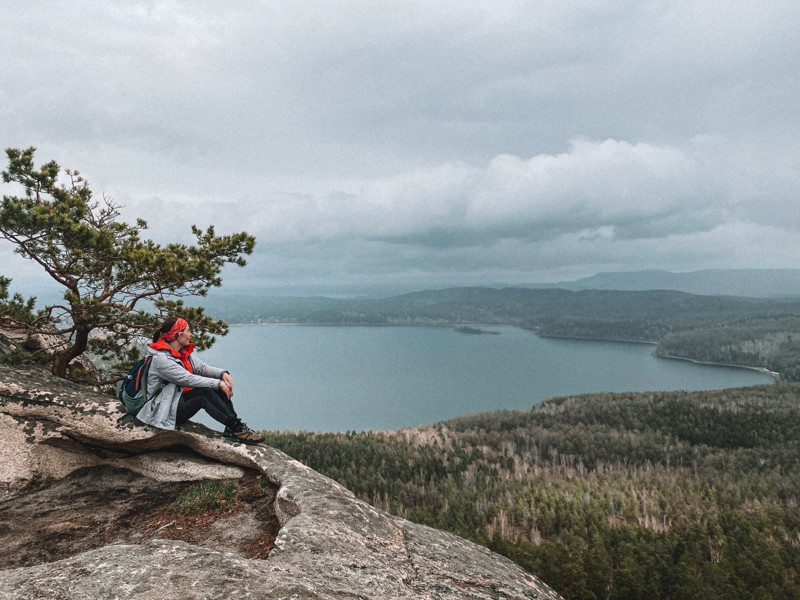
x=647, y=495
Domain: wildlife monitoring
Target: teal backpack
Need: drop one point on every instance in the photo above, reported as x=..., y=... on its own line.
x=133, y=387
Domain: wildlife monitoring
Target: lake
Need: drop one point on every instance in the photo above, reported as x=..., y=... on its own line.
x=318, y=378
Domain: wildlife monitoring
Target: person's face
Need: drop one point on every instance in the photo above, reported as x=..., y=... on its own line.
x=184, y=337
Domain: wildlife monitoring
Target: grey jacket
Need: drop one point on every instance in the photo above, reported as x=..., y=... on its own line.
x=161, y=409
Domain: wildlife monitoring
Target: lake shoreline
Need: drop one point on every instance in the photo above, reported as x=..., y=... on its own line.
x=320, y=378
x=773, y=374
x=776, y=376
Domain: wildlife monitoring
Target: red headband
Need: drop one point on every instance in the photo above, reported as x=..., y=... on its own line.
x=180, y=325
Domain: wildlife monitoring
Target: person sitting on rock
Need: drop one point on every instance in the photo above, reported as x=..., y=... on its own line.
x=189, y=384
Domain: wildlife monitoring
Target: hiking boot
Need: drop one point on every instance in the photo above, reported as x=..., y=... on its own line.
x=242, y=433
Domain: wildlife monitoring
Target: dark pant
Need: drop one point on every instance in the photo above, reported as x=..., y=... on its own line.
x=215, y=404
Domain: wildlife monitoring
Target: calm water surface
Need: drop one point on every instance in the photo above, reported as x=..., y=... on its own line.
x=355, y=378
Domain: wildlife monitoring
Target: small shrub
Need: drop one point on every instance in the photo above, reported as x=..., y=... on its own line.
x=18, y=357
x=207, y=495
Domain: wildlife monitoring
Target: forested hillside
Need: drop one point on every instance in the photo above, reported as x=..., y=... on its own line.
x=657, y=495
x=773, y=343
x=509, y=306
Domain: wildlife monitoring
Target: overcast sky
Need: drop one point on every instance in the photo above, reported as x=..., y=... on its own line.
x=424, y=144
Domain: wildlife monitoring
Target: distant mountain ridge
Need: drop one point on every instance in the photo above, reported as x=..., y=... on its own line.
x=755, y=283
x=751, y=283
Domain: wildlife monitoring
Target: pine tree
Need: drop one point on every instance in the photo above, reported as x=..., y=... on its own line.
x=116, y=284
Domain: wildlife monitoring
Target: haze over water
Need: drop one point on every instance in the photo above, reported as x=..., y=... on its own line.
x=355, y=378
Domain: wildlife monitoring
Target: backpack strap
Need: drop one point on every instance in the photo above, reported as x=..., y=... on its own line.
x=145, y=372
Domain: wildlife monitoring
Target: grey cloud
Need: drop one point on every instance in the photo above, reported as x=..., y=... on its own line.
x=485, y=140
x=601, y=199
x=607, y=183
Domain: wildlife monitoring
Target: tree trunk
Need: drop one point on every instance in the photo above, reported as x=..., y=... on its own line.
x=62, y=359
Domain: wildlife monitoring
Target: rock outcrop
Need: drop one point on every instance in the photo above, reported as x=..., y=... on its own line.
x=60, y=441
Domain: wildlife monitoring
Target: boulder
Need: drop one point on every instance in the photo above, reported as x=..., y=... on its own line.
x=60, y=442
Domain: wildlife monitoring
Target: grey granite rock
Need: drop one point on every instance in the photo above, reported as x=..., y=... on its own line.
x=331, y=544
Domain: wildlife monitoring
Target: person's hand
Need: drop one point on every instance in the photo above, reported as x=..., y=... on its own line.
x=226, y=389
x=226, y=377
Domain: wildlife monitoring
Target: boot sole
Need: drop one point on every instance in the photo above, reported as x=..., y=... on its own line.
x=233, y=437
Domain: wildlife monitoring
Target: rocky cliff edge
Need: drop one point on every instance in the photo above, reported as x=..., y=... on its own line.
x=83, y=486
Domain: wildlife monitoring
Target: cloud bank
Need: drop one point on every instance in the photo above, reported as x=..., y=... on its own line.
x=455, y=143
